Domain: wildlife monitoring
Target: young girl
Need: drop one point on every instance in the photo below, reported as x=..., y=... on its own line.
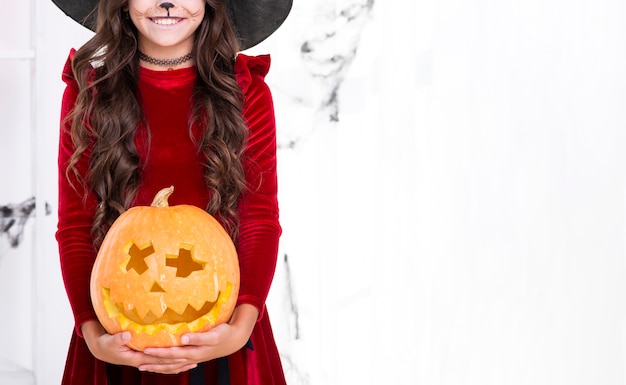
x=159, y=97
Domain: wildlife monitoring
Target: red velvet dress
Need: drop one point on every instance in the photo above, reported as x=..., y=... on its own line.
x=172, y=159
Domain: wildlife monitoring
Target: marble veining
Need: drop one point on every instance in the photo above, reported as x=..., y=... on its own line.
x=331, y=48
x=294, y=315
x=13, y=218
x=327, y=49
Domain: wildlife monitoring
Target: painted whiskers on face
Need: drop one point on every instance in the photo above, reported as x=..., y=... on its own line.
x=174, y=14
x=166, y=31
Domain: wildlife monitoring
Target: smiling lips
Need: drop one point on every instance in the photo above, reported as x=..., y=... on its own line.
x=166, y=20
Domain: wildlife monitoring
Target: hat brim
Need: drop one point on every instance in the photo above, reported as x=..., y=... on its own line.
x=253, y=20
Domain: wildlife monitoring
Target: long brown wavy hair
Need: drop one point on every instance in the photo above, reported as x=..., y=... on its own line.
x=107, y=114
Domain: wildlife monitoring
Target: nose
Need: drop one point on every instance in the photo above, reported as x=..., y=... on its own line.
x=167, y=6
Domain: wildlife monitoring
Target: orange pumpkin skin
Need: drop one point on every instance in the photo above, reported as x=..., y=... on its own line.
x=162, y=272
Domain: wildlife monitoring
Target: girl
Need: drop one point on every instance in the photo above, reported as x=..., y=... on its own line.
x=159, y=97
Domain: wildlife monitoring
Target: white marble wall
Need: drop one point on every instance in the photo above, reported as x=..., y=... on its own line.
x=453, y=197
x=16, y=186
x=452, y=192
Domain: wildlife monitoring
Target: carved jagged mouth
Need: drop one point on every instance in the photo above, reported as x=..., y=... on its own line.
x=169, y=316
x=170, y=320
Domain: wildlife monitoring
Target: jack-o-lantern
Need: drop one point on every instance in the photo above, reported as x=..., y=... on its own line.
x=163, y=271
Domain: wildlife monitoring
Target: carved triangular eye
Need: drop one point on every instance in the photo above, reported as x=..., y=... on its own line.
x=137, y=257
x=183, y=262
x=156, y=288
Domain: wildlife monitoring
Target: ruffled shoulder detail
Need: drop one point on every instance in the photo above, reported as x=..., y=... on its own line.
x=249, y=67
x=68, y=73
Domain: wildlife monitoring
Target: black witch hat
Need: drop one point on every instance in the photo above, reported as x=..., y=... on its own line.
x=253, y=20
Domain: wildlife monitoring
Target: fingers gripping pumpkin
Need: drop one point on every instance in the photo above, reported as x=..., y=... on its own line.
x=164, y=271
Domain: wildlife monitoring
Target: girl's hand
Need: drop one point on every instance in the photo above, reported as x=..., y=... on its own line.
x=220, y=341
x=112, y=349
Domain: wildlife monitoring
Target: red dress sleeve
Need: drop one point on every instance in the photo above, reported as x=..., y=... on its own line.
x=76, y=213
x=258, y=206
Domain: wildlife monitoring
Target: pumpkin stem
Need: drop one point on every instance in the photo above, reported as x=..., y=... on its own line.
x=160, y=199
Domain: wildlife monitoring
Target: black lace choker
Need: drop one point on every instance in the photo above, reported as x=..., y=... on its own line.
x=170, y=63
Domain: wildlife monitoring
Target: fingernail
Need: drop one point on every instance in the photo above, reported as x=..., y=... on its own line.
x=184, y=340
x=126, y=336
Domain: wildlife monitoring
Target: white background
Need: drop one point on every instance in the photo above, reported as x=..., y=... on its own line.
x=461, y=223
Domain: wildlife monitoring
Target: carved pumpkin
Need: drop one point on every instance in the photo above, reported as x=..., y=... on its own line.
x=164, y=271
